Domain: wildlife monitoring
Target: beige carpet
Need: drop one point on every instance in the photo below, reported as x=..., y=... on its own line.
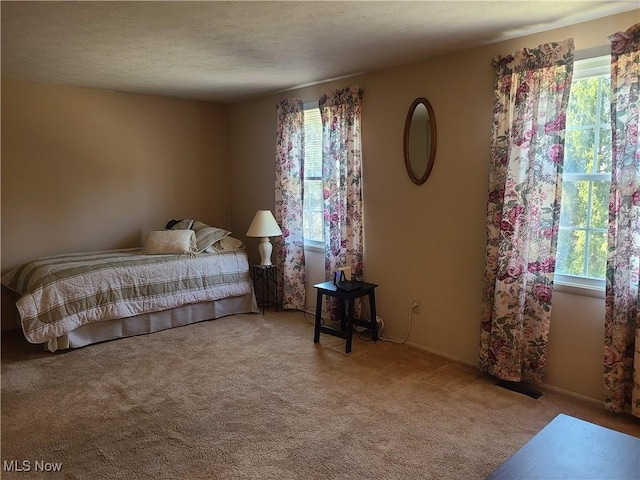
x=251, y=397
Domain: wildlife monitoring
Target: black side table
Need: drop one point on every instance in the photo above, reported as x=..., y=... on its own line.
x=266, y=278
x=346, y=320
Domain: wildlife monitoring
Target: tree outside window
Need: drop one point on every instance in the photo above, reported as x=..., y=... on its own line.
x=582, y=240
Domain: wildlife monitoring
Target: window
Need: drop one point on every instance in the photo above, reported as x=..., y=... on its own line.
x=313, y=202
x=582, y=238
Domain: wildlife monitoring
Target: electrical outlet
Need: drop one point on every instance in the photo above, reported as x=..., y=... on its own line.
x=416, y=308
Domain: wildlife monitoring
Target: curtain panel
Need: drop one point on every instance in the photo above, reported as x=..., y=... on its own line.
x=622, y=327
x=342, y=179
x=525, y=183
x=289, y=184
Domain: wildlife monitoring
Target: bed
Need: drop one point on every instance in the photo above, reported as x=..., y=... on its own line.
x=73, y=300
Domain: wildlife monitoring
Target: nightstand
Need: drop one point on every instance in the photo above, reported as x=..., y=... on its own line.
x=346, y=318
x=265, y=281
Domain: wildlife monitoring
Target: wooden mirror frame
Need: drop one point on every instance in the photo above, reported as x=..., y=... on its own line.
x=431, y=147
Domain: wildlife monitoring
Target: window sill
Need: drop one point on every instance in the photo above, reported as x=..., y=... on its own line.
x=311, y=247
x=577, y=289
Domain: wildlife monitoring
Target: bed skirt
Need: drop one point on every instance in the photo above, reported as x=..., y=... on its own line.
x=152, y=322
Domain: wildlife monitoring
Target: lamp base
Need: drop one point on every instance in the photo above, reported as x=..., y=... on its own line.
x=265, y=249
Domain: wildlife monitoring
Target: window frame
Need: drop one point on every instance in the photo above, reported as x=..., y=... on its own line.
x=586, y=67
x=313, y=245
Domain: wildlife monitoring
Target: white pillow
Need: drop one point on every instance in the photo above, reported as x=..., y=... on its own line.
x=169, y=242
x=226, y=244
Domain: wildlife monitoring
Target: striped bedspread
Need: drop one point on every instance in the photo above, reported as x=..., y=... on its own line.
x=60, y=293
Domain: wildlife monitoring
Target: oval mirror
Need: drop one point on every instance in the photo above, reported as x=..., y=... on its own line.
x=419, y=141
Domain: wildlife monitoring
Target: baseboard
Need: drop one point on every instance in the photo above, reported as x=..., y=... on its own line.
x=545, y=386
x=441, y=354
x=569, y=393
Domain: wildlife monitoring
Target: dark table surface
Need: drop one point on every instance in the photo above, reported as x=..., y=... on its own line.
x=569, y=448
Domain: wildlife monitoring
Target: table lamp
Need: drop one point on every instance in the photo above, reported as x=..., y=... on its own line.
x=264, y=226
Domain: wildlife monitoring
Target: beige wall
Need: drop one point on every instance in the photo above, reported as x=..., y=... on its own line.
x=86, y=169
x=427, y=242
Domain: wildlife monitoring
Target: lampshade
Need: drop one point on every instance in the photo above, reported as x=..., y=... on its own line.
x=264, y=225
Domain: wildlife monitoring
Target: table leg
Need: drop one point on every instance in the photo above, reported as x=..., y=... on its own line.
x=265, y=290
x=275, y=272
x=350, y=325
x=374, y=316
x=342, y=314
x=316, y=335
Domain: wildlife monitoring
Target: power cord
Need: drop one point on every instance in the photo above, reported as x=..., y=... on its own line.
x=311, y=311
x=413, y=307
x=309, y=314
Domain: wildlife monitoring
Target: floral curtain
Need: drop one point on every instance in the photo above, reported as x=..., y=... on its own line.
x=289, y=249
x=525, y=181
x=342, y=180
x=622, y=326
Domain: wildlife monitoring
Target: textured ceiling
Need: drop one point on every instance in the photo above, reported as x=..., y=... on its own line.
x=227, y=51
